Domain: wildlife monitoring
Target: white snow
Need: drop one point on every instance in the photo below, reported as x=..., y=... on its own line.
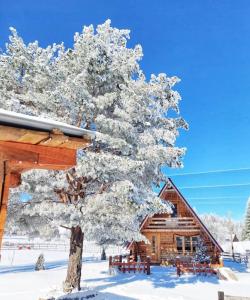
x=239, y=247
x=19, y=281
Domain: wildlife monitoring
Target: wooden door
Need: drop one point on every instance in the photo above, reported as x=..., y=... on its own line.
x=154, y=251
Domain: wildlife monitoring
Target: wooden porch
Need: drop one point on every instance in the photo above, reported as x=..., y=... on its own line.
x=158, y=224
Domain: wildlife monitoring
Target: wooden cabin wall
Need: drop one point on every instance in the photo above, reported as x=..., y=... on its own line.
x=166, y=246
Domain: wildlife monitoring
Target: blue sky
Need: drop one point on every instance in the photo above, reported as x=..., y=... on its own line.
x=206, y=44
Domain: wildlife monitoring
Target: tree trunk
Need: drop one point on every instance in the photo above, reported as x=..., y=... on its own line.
x=75, y=260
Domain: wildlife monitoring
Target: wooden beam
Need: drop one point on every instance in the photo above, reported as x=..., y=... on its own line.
x=33, y=137
x=170, y=230
x=5, y=184
x=22, y=135
x=37, y=156
x=12, y=152
x=15, y=179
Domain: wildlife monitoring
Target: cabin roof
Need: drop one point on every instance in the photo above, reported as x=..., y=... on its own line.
x=16, y=127
x=38, y=123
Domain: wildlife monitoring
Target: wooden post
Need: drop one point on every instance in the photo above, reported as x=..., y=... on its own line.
x=4, y=193
x=110, y=265
x=148, y=265
x=220, y=295
x=178, y=270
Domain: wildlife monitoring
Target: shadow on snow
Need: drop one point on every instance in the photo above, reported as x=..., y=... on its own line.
x=31, y=267
x=161, y=277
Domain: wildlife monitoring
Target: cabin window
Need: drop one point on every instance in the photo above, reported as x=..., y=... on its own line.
x=187, y=244
x=194, y=243
x=179, y=244
x=153, y=244
x=174, y=211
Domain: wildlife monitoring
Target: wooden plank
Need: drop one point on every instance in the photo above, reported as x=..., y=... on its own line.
x=75, y=143
x=15, y=179
x=171, y=230
x=10, y=152
x=54, y=140
x=4, y=201
x=178, y=219
x=21, y=135
x=40, y=156
x=11, y=134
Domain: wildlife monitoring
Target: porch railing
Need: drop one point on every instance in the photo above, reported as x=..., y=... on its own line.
x=185, y=223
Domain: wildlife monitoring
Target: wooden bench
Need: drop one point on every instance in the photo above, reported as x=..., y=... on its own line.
x=129, y=266
x=195, y=268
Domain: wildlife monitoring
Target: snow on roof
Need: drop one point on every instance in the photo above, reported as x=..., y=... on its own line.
x=30, y=122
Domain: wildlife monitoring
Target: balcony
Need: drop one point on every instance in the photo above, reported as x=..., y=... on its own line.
x=171, y=224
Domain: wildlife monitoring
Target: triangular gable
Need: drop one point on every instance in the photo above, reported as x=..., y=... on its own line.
x=188, y=207
x=194, y=214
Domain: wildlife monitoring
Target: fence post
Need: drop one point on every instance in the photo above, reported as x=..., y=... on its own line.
x=148, y=265
x=110, y=265
x=220, y=295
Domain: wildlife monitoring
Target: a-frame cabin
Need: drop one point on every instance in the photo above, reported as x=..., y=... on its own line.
x=173, y=234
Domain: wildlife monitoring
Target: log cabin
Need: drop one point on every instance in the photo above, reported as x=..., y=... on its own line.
x=175, y=234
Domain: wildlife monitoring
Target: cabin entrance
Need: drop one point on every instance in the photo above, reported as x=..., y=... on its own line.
x=154, y=239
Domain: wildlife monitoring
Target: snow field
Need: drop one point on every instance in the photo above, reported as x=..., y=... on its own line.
x=19, y=281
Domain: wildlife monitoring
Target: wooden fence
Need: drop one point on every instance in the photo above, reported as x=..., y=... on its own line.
x=238, y=257
x=90, y=248
x=195, y=268
x=35, y=246
x=129, y=266
x=222, y=296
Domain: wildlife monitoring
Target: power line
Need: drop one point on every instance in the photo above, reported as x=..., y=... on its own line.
x=215, y=186
x=220, y=201
x=211, y=172
x=212, y=203
x=213, y=198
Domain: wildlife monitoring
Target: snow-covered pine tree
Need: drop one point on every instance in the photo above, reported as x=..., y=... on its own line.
x=201, y=255
x=246, y=228
x=97, y=84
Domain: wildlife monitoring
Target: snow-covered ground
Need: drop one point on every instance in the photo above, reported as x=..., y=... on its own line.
x=19, y=281
x=239, y=247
